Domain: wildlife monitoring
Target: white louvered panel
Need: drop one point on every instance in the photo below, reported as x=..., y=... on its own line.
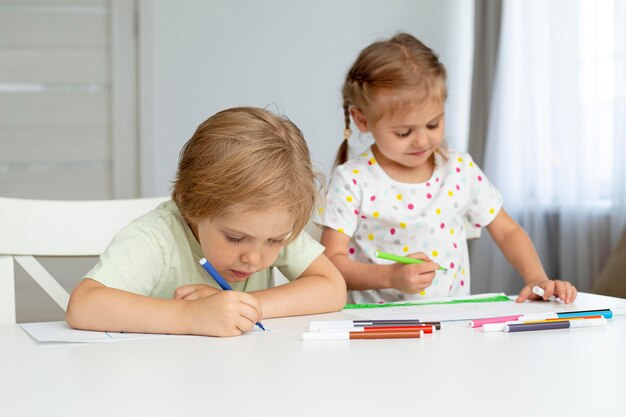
x=55, y=3
x=18, y=65
x=123, y=99
x=55, y=99
x=54, y=144
x=54, y=109
x=54, y=27
x=67, y=103
x=57, y=182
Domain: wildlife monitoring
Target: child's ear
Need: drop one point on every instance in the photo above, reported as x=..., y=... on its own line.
x=359, y=119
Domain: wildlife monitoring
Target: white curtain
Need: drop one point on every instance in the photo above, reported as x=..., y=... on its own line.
x=556, y=140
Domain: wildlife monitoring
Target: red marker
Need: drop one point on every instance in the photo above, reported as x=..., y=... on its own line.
x=346, y=335
x=350, y=324
x=425, y=329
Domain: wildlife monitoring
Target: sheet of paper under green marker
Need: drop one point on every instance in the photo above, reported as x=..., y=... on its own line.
x=493, y=298
x=402, y=259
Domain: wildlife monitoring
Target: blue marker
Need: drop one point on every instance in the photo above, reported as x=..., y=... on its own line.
x=220, y=281
x=607, y=313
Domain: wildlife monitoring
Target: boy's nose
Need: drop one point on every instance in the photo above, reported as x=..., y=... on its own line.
x=251, y=257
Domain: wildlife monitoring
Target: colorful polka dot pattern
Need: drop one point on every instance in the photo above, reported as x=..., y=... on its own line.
x=379, y=213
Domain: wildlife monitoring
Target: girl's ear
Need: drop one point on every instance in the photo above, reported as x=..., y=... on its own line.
x=359, y=119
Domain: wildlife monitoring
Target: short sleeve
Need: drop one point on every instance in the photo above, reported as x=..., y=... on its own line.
x=342, y=199
x=132, y=262
x=298, y=255
x=485, y=201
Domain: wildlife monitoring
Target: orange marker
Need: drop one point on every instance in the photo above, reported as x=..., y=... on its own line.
x=560, y=319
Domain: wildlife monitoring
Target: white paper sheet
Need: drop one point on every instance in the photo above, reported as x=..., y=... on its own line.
x=469, y=311
x=59, y=331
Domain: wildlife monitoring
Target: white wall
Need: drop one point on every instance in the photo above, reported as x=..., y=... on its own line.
x=199, y=57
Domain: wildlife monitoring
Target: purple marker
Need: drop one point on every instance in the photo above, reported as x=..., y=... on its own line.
x=549, y=325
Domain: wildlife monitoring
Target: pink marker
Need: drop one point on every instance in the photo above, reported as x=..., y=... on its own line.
x=480, y=322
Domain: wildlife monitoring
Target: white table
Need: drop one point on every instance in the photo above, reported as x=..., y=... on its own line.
x=462, y=371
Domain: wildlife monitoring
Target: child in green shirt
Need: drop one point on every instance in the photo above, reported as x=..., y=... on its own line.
x=244, y=192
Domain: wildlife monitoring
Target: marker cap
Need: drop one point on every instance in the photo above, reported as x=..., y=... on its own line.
x=482, y=322
x=325, y=336
x=497, y=327
x=339, y=324
x=619, y=311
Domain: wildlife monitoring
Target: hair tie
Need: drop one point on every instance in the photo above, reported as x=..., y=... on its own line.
x=347, y=133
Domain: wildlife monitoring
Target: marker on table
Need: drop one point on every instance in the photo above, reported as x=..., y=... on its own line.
x=345, y=335
x=402, y=259
x=316, y=325
x=605, y=312
x=527, y=321
x=500, y=327
x=539, y=291
x=550, y=325
x=220, y=281
x=490, y=320
x=497, y=327
x=410, y=328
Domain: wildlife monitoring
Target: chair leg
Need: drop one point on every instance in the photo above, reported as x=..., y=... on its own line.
x=7, y=290
x=46, y=281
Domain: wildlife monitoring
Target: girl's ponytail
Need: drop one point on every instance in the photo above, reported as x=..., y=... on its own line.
x=342, y=153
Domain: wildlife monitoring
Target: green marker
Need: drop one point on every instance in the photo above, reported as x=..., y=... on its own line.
x=402, y=259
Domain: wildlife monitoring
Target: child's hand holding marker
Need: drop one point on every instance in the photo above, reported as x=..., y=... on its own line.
x=549, y=290
x=407, y=260
x=540, y=292
x=250, y=304
x=412, y=274
x=225, y=313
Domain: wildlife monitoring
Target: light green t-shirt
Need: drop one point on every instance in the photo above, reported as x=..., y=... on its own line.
x=157, y=253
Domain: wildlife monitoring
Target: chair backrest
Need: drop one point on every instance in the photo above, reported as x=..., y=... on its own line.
x=31, y=228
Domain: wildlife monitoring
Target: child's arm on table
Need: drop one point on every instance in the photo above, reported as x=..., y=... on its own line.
x=319, y=289
x=520, y=252
x=93, y=306
x=361, y=276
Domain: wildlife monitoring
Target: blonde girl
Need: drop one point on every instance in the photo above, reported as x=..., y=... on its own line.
x=408, y=194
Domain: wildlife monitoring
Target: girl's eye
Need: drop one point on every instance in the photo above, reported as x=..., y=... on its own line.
x=275, y=242
x=404, y=134
x=234, y=239
x=433, y=127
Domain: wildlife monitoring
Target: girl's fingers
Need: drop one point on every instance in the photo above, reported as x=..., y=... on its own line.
x=559, y=290
x=570, y=293
x=524, y=294
x=550, y=288
x=419, y=255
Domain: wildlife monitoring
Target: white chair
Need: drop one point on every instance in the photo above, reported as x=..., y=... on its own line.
x=31, y=228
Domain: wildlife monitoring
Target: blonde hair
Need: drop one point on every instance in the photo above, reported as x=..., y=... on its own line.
x=247, y=157
x=389, y=75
